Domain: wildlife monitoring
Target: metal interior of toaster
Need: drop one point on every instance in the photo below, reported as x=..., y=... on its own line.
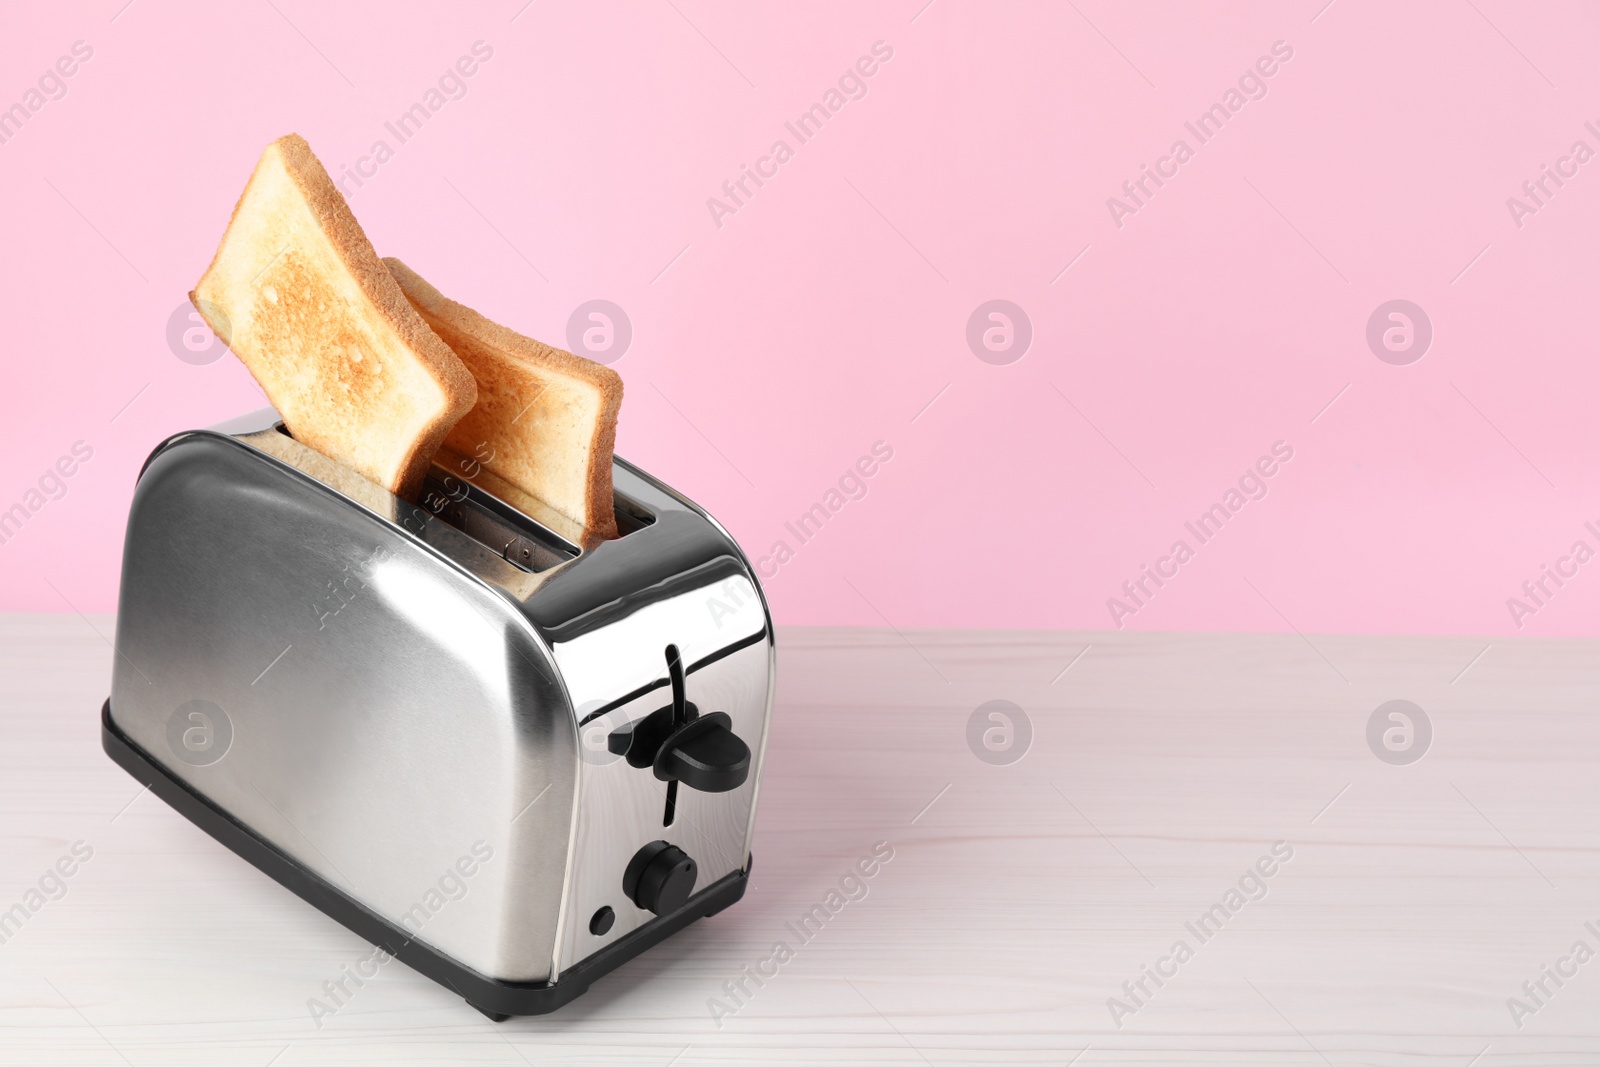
x=491, y=522
x=631, y=515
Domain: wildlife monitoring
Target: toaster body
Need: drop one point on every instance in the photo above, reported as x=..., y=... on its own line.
x=445, y=725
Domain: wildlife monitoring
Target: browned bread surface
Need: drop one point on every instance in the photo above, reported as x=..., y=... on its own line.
x=299, y=295
x=545, y=420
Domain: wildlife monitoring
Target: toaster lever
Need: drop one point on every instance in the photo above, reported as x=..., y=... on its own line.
x=682, y=745
x=705, y=754
x=641, y=741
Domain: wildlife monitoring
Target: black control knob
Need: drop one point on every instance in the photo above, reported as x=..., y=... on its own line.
x=660, y=878
x=705, y=754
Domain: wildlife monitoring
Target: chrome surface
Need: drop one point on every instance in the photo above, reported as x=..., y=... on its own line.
x=398, y=692
x=625, y=806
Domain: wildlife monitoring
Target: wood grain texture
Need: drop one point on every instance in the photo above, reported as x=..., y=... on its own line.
x=1418, y=899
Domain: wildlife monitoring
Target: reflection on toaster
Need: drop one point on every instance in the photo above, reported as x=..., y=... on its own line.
x=356, y=693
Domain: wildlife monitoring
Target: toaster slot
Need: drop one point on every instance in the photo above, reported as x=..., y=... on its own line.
x=631, y=516
x=493, y=524
x=452, y=492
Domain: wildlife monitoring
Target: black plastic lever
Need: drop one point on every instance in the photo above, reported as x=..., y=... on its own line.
x=641, y=741
x=681, y=745
x=706, y=755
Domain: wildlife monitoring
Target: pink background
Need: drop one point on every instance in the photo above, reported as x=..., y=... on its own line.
x=824, y=315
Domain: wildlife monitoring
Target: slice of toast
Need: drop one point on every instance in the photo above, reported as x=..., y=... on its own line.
x=298, y=294
x=545, y=421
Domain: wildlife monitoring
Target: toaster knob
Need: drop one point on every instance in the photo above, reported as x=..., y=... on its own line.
x=660, y=877
x=705, y=754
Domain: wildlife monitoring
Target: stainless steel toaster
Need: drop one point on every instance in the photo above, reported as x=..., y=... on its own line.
x=508, y=759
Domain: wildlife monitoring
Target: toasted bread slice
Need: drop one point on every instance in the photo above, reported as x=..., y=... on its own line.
x=545, y=421
x=298, y=294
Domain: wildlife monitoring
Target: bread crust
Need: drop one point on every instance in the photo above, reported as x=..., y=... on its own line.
x=356, y=255
x=535, y=359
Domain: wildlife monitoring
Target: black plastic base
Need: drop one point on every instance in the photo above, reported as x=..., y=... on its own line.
x=494, y=998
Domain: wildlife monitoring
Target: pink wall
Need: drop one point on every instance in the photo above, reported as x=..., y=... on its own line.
x=774, y=345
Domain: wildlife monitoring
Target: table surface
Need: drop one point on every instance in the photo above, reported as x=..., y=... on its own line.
x=1020, y=898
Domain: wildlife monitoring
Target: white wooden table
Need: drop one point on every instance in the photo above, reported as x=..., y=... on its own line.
x=1418, y=899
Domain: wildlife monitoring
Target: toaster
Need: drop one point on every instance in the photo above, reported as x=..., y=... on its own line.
x=509, y=759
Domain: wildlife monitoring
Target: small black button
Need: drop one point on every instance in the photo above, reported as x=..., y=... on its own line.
x=600, y=925
x=660, y=878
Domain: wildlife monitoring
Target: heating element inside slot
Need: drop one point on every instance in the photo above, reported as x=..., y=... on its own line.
x=487, y=519
x=490, y=522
